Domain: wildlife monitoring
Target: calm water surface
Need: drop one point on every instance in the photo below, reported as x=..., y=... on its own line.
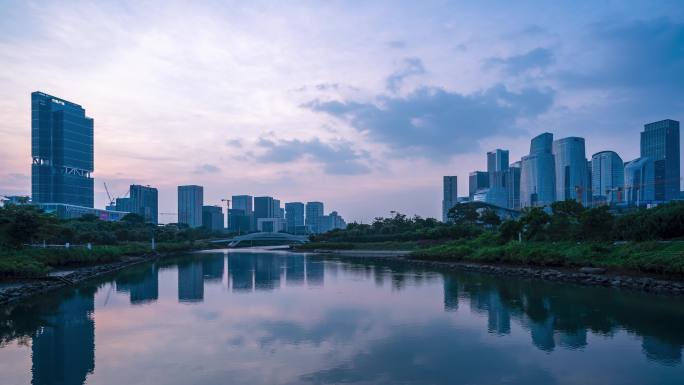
x=260, y=317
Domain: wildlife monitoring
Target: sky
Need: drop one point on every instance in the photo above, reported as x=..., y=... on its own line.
x=363, y=105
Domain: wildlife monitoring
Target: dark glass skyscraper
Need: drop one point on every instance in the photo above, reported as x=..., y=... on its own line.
x=660, y=143
x=62, y=152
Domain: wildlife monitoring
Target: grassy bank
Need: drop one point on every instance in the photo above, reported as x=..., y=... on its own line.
x=36, y=262
x=650, y=257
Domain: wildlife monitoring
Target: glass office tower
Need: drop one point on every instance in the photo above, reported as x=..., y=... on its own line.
x=572, y=176
x=62, y=152
x=537, y=173
x=190, y=202
x=144, y=201
x=607, y=178
x=294, y=215
x=449, y=195
x=660, y=143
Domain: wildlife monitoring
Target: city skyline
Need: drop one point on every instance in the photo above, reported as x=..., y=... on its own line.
x=304, y=128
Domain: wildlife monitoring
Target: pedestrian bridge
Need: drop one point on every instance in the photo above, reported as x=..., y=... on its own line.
x=272, y=238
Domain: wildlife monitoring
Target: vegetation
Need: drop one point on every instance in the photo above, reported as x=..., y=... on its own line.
x=565, y=234
x=24, y=225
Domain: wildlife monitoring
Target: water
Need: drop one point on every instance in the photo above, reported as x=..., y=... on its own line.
x=257, y=317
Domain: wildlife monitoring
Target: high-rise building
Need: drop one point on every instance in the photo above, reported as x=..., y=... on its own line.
x=277, y=210
x=477, y=180
x=497, y=160
x=513, y=190
x=263, y=208
x=607, y=178
x=143, y=201
x=190, y=202
x=239, y=222
x=242, y=202
x=449, y=195
x=314, y=210
x=294, y=215
x=62, y=152
x=497, y=169
x=660, y=143
x=212, y=218
x=330, y=222
x=640, y=182
x=537, y=173
x=572, y=178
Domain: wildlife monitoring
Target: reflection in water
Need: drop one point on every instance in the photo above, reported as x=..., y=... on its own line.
x=63, y=350
x=369, y=321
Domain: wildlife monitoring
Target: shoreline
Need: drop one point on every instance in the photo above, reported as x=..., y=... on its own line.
x=30, y=287
x=586, y=276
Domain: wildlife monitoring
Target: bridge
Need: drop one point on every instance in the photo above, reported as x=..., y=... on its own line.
x=282, y=238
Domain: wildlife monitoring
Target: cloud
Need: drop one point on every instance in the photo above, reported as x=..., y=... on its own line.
x=397, y=44
x=237, y=143
x=338, y=158
x=643, y=54
x=207, y=169
x=411, y=66
x=538, y=58
x=434, y=123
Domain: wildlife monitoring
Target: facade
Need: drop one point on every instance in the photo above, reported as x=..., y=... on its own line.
x=123, y=204
x=239, y=222
x=537, y=173
x=640, y=187
x=245, y=203
x=497, y=169
x=331, y=222
x=607, y=178
x=660, y=143
x=294, y=216
x=513, y=180
x=263, y=208
x=190, y=202
x=62, y=152
x=271, y=225
x=449, y=194
x=572, y=178
x=497, y=160
x=212, y=218
x=64, y=211
x=278, y=211
x=144, y=201
x=314, y=210
x=477, y=180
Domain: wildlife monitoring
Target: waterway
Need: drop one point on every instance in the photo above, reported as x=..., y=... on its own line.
x=269, y=317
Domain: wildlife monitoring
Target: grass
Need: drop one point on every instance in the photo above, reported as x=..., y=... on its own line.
x=36, y=262
x=651, y=257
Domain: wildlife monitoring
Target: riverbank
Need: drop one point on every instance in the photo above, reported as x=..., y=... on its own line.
x=14, y=291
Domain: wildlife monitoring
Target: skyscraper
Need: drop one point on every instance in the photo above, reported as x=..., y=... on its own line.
x=242, y=202
x=62, y=152
x=607, y=177
x=212, y=218
x=497, y=169
x=477, y=180
x=640, y=181
x=537, y=173
x=263, y=208
x=572, y=177
x=513, y=190
x=143, y=201
x=314, y=210
x=245, y=204
x=449, y=195
x=190, y=202
x=660, y=143
x=294, y=215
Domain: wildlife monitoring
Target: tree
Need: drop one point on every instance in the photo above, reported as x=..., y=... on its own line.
x=490, y=218
x=596, y=224
x=463, y=213
x=535, y=222
x=510, y=229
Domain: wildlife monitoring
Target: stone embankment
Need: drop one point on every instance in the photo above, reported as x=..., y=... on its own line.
x=584, y=276
x=29, y=288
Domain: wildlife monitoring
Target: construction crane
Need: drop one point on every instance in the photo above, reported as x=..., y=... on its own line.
x=109, y=196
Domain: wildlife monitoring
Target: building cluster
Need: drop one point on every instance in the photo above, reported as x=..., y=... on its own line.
x=62, y=154
x=558, y=170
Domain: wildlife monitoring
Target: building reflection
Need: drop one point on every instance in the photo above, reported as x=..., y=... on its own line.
x=241, y=270
x=266, y=272
x=294, y=270
x=315, y=272
x=63, y=350
x=561, y=316
x=141, y=282
x=213, y=267
x=190, y=281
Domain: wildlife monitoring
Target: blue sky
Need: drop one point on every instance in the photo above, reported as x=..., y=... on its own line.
x=363, y=105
